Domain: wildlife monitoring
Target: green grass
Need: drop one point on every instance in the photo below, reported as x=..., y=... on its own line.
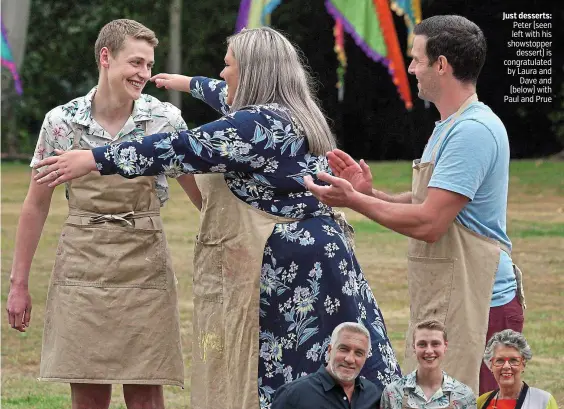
x=392, y=176
x=517, y=229
x=535, y=224
x=524, y=229
x=37, y=402
x=368, y=227
x=538, y=177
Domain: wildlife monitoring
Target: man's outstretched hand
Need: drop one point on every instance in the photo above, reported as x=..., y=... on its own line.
x=340, y=193
x=357, y=174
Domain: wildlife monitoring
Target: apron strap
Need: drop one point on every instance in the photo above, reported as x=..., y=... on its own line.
x=505, y=248
x=472, y=98
x=520, y=288
x=404, y=400
x=76, y=140
x=450, y=401
x=347, y=229
x=518, y=277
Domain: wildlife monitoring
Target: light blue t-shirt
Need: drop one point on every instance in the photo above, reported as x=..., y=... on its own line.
x=473, y=160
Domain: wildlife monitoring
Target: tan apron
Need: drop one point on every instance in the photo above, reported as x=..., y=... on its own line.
x=112, y=311
x=404, y=404
x=227, y=266
x=452, y=281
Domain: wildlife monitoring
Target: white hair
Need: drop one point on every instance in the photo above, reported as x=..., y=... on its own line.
x=349, y=326
x=507, y=338
x=271, y=71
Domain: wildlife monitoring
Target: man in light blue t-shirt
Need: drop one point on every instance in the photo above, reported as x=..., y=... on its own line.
x=455, y=215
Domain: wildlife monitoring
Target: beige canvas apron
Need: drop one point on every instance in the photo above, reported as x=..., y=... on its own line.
x=227, y=266
x=452, y=280
x=405, y=405
x=112, y=313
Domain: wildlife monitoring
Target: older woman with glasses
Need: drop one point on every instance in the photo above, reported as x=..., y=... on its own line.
x=506, y=355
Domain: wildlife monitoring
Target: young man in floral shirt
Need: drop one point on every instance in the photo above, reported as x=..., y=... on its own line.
x=428, y=386
x=114, y=111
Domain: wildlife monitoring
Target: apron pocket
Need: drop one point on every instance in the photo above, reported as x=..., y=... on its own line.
x=208, y=342
x=208, y=271
x=430, y=284
x=96, y=256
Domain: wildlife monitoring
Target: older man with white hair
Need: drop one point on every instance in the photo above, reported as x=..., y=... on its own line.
x=338, y=384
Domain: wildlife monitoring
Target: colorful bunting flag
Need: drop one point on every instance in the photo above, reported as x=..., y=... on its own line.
x=371, y=25
x=255, y=13
x=8, y=60
x=339, y=34
x=411, y=12
x=369, y=22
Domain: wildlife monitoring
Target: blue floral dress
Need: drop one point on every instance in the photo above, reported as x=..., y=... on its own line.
x=310, y=278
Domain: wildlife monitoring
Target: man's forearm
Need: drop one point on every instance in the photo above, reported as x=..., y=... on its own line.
x=30, y=226
x=404, y=197
x=404, y=218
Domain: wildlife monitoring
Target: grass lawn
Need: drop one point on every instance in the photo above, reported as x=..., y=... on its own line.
x=535, y=223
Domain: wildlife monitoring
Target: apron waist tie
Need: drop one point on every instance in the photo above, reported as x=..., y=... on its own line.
x=112, y=218
x=347, y=229
x=97, y=218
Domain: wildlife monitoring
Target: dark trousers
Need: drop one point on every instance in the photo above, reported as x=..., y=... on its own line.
x=508, y=316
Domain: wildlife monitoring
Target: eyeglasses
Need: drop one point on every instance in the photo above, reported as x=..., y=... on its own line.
x=501, y=361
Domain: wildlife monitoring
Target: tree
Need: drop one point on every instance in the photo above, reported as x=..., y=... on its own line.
x=175, y=49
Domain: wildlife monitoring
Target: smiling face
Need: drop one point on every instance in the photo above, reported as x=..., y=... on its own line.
x=508, y=376
x=430, y=348
x=427, y=75
x=129, y=69
x=230, y=74
x=348, y=355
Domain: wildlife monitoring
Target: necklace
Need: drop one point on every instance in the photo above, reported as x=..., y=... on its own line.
x=497, y=396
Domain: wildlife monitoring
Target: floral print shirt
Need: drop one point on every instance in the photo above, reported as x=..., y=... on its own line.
x=74, y=120
x=310, y=280
x=451, y=390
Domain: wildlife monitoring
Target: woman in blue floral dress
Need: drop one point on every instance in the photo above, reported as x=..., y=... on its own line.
x=272, y=134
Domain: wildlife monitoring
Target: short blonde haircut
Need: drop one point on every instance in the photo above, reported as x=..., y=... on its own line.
x=432, y=325
x=113, y=35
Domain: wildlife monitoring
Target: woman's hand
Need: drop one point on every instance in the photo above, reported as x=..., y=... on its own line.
x=176, y=82
x=68, y=165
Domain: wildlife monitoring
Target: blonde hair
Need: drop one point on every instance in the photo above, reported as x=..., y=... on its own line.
x=271, y=71
x=432, y=325
x=113, y=35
